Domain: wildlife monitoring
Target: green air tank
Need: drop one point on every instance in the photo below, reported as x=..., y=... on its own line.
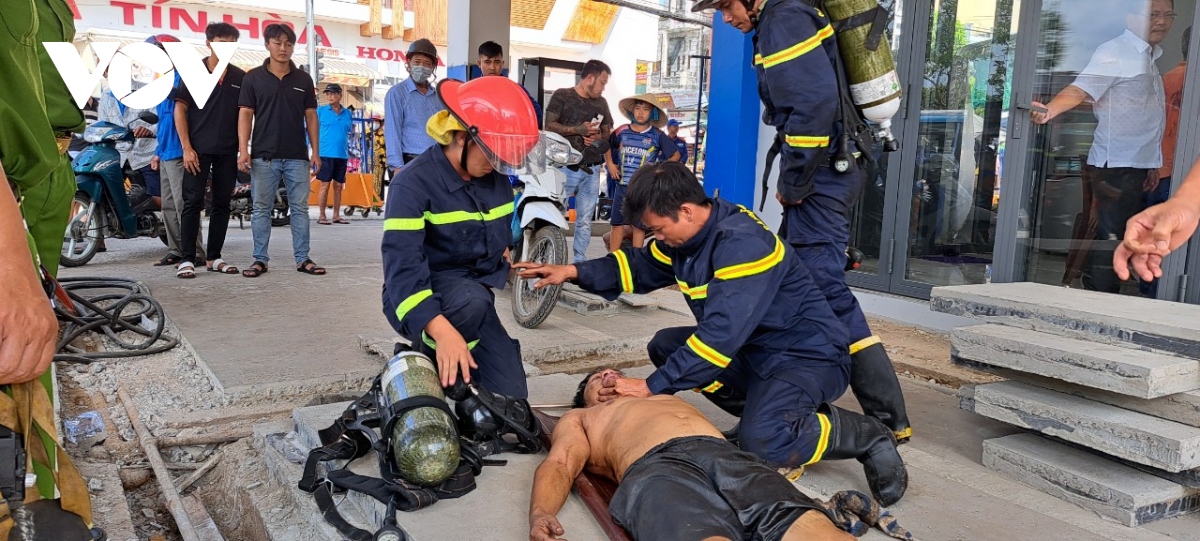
x=871, y=74
x=424, y=440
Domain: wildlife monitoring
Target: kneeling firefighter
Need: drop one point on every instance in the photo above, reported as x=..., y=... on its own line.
x=445, y=248
x=819, y=100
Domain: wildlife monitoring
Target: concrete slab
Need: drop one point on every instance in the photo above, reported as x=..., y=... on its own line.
x=1126, y=370
x=1167, y=326
x=1127, y=495
x=908, y=311
x=1181, y=408
x=589, y=304
x=1130, y=435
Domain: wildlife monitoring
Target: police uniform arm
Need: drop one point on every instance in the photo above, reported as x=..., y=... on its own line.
x=627, y=271
x=409, y=302
x=803, y=88
x=748, y=273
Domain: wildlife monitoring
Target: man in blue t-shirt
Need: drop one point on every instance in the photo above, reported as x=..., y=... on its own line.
x=635, y=145
x=680, y=143
x=336, y=124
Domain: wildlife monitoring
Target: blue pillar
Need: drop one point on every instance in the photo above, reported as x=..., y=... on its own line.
x=733, y=117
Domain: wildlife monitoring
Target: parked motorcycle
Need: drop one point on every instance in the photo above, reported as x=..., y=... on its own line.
x=538, y=223
x=103, y=206
x=241, y=205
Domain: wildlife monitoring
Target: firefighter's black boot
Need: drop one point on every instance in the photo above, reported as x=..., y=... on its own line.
x=853, y=435
x=874, y=382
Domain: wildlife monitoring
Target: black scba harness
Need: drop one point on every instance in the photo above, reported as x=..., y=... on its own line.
x=856, y=133
x=353, y=436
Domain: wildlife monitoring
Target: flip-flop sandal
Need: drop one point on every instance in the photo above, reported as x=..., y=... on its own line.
x=169, y=259
x=186, y=270
x=340, y=221
x=258, y=268
x=308, y=267
x=324, y=222
x=219, y=265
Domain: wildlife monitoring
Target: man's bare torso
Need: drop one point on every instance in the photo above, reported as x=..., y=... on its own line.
x=623, y=430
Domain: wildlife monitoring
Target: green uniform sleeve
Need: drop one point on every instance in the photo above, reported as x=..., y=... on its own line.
x=55, y=23
x=27, y=150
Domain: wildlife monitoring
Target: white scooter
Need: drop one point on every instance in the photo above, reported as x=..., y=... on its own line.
x=541, y=214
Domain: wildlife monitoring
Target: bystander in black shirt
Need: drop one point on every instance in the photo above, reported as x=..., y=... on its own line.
x=279, y=105
x=213, y=129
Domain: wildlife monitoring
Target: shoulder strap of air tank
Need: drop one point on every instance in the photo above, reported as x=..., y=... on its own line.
x=876, y=18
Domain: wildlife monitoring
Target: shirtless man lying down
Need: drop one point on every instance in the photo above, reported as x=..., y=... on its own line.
x=678, y=479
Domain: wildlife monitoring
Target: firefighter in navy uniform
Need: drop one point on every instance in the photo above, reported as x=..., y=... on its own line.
x=796, y=55
x=447, y=235
x=763, y=328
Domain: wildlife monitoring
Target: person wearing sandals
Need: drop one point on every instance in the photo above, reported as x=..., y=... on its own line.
x=209, y=152
x=447, y=233
x=278, y=106
x=336, y=124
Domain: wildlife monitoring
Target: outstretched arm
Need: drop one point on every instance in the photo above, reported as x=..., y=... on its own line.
x=569, y=451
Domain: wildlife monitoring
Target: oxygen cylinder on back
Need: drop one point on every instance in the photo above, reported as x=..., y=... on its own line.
x=870, y=70
x=424, y=440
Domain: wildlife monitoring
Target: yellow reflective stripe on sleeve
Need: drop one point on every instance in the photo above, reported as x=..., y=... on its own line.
x=864, y=344
x=823, y=441
x=707, y=353
x=404, y=224
x=753, y=267
x=694, y=293
x=626, y=275
x=795, y=51
x=713, y=387
x=443, y=218
x=661, y=257
x=805, y=141
x=411, y=302
x=433, y=345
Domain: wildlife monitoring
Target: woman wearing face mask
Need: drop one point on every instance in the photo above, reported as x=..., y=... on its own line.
x=409, y=105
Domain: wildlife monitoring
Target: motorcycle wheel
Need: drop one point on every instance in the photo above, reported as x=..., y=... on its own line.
x=532, y=306
x=81, y=240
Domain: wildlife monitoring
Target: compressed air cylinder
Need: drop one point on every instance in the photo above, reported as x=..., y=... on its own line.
x=874, y=84
x=424, y=440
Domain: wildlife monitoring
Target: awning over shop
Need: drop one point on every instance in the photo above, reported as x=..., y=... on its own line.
x=337, y=70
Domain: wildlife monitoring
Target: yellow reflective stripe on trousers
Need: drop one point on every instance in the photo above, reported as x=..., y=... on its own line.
x=443, y=218
x=706, y=352
x=433, y=345
x=694, y=293
x=823, y=441
x=626, y=275
x=661, y=257
x=795, y=51
x=411, y=302
x=807, y=141
x=864, y=344
x=753, y=267
x=713, y=387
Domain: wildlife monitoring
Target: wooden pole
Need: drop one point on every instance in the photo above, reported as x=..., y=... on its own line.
x=150, y=446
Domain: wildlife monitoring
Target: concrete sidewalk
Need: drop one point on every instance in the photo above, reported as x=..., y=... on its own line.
x=290, y=334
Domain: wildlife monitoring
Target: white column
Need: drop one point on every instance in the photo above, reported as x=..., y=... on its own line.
x=472, y=22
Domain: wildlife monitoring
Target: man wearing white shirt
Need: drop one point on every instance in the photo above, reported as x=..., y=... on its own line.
x=1125, y=89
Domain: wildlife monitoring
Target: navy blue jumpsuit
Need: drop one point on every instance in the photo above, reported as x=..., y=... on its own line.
x=762, y=328
x=443, y=253
x=795, y=58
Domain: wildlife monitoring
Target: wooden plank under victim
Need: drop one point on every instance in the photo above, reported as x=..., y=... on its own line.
x=596, y=491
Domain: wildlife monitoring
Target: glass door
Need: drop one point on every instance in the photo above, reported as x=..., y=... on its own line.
x=1103, y=102
x=949, y=189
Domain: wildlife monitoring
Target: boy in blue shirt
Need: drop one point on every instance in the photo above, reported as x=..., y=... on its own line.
x=635, y=145
x=336, y=124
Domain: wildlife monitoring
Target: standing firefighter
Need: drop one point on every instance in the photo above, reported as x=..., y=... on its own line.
x=820, y=136
x=35, y=112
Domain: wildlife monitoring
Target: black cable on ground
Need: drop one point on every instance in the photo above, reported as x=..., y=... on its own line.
x=121, y=306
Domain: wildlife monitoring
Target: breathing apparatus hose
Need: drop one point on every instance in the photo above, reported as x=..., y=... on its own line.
x=121, y=306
